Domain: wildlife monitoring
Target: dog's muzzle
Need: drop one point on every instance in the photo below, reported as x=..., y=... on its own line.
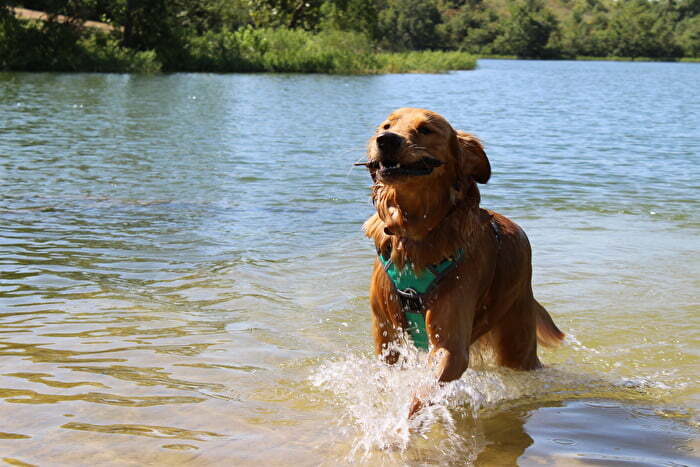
x=389, y=144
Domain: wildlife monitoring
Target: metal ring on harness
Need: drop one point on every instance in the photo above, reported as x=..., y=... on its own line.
x=411, y=300
x=409, y=293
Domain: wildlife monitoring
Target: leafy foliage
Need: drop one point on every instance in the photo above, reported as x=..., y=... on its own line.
x=472, y=28
x=410, y=24
x=338, y=36
x=303, y=14
x=688, y=36
x=63, y=47
x=331, y=51
x=527, y=32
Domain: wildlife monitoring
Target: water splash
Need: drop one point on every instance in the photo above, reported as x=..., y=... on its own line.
x=374, y=399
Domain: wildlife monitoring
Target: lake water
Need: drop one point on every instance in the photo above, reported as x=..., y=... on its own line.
x=183, y=279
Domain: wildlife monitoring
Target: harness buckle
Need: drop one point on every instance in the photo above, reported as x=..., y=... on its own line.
x=411, y=300
x=411, y=294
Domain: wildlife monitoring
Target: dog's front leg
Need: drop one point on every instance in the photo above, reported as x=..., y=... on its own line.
x=450, y=366
x=450, y=335
x=384, y=305
x=385, y=335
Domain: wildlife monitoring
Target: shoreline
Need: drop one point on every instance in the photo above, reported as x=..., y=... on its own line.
x=392, y=69
x=584, y=58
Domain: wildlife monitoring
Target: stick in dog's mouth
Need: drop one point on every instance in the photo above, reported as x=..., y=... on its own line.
x=423, y=166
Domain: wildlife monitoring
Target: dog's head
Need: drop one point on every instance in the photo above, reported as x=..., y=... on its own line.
x=418, y=151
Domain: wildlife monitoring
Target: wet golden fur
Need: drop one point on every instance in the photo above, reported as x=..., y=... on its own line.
x=427, y=218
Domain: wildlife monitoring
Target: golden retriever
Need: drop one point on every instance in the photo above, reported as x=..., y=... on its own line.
x=426, y=197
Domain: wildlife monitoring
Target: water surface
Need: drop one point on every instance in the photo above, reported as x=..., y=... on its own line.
x=183, y=279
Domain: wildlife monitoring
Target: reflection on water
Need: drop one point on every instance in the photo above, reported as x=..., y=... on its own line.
x=565, y=429
x=143, y=430
x=183, y=280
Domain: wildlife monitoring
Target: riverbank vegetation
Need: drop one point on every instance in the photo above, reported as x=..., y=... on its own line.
x=338, y=36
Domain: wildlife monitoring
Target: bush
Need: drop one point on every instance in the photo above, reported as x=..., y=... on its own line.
x=286, y=50
x=220, y=52
x=50, y=46
x=105, y=54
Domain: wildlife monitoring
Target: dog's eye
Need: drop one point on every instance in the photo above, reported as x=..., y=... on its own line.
x=386, y=126
x=424, y=130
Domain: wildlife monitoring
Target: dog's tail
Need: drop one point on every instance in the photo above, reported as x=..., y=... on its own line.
x=548, y=334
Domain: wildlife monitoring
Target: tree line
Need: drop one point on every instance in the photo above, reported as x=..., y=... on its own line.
x=232, y=35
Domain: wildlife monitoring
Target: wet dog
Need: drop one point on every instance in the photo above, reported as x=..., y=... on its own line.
x=446, y=267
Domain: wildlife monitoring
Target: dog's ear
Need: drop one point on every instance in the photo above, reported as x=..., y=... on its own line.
x=472, y=158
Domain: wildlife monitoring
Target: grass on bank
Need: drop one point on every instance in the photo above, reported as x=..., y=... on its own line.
x=425, y=62
x=335, y=52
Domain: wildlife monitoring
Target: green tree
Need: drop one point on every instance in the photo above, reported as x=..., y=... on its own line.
x=218, y=14
x=351, y=15
x=410, y=24
x=688, y=8
x=688, y=36
x=581, y=33
x=472, y=27
x=639, y=29
x=528, y=31
x=305, y=14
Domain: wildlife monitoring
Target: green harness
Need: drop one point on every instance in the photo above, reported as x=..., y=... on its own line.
x=412, y=289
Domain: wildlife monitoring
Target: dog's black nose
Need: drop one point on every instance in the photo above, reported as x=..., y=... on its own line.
x=389, y=142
